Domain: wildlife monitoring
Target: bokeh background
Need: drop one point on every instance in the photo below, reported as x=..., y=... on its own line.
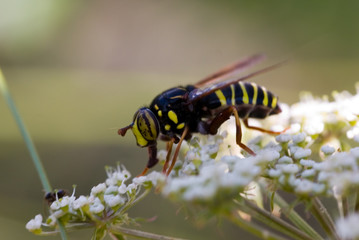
x=78, y=70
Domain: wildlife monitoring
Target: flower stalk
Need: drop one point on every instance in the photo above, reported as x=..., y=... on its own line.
x=253, y=228
x=295, y=218
x=116, y=230
x=28, y=141
x=275, y=222
x=25, y=134
x=321, y=214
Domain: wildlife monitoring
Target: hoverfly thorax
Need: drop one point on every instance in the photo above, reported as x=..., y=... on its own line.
x=145, y=127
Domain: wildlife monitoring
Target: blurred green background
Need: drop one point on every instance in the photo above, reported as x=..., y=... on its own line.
x=78, y=70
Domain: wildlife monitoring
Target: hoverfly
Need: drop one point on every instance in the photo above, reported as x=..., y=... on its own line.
x=175, y=114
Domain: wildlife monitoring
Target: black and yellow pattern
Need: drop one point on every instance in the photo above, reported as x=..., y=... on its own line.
x=167, y=107
x=246, y=96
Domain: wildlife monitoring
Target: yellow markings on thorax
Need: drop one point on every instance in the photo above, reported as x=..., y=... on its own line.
x=265, y=97
x=274, y=101
x=180, y=126
x=233, y=95
x=173, y=116
x=255, y=93
x=159, y=113
x=178, y=96
x=156, y=107
x=221, y=97
x=167, y=127
x=245, y=98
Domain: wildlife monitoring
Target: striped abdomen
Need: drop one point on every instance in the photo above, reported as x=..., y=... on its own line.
x=250, y=100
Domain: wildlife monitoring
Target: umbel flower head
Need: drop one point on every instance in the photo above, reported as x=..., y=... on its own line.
x=106, y=206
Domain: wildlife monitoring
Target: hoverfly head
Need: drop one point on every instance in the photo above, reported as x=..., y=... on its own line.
x=145, y=127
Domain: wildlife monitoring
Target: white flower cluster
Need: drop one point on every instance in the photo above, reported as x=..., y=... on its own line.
x=286, y=164
x=312, y=114
x=340, y=171
x=107, y=201
x=206, y=175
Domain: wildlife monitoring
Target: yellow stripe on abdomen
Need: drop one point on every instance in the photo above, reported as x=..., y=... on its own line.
x=265, y=97
x=245, y=98
x=233, y=95
x=274, y=101
x=221, y=97
x=255, y=93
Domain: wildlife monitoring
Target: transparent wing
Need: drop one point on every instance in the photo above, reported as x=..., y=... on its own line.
x=198, y=93
x=232, y=69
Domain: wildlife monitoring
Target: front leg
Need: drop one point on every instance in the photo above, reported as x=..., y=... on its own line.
x=174, y=159
x=169, y=150
x=153, y=160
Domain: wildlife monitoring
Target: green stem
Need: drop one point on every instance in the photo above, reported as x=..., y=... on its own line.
x=294, y=217
x=62, y=230
x=323, y=217
x=29, y=143
x=276, y=222
x=139, y=234
x=26, y=136
x=345, y=204
x=253, y=228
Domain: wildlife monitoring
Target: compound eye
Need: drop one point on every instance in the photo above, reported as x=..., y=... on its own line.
x=145, y=127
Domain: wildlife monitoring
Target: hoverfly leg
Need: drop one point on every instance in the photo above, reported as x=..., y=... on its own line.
x=174, y=159
x=219, y=120
x=143, y=172
x=239, y=132
x=152, y=161
x=224, y=116
x=245, y=121
x=169, y=150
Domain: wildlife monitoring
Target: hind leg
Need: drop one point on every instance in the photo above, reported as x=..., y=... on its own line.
x=245, y=121
x=224, y=116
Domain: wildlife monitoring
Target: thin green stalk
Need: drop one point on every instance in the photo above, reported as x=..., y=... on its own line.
x=323, y=217
x=139, y=234
x=253, y=228
x=26, y=136
x=295, y=218
x=340, y=206
x=345, y=205
x=352, y=198
x=276, y=222
x=29, y=143
x=62, y=230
